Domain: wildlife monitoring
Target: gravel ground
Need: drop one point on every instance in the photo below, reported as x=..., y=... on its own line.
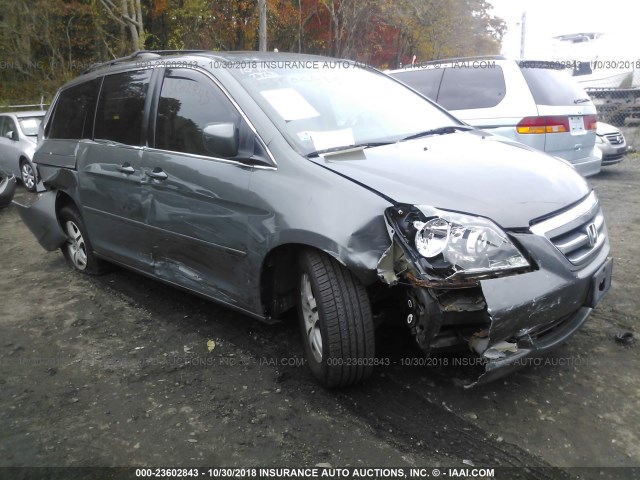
x=120, y=370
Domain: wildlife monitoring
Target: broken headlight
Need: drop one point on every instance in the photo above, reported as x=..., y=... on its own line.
x=453, y=245
x=463, y=242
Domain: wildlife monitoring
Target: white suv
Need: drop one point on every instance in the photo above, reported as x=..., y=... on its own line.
x=535, y=103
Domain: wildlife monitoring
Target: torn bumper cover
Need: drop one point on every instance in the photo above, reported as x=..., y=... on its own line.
x=7, y=188
x=506, y=317
x=539, y=312
x=41, y=219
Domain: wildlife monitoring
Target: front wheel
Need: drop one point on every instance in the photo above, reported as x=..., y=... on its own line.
x=77, y=250
x=336, y=321
x=28, y=176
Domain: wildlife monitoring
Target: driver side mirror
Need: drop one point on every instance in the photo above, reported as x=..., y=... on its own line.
x=221, y=139
x=11, y=135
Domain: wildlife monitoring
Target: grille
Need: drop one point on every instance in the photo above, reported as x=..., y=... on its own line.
x=615, y=138
x=579, y=233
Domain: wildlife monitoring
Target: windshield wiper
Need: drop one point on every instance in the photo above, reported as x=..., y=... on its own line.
x=581, y=100
x=439, y=131
x=341, y=148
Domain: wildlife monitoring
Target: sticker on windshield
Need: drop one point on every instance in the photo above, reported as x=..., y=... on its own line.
x=332, y=138
x=289, y=104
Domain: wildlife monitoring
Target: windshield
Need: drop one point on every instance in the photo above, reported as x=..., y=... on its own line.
x=29, y=125
x=339, y=104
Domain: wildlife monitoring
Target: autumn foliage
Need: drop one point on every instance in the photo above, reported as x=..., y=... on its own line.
x=45, y=42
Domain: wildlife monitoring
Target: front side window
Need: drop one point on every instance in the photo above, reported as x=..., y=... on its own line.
x=73, y=112
x=121, y=107
x=467, y=88
x=189, y=102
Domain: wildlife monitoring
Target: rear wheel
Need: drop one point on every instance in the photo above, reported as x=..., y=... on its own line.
x=77, y=250
x=336, y=321
x=28, y=175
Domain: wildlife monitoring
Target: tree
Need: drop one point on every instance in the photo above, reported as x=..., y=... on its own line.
x=128, y=15
x=433, y=29
x=45, y=42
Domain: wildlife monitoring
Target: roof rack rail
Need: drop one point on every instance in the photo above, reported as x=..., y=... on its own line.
x=464, y=59
x=138, y=54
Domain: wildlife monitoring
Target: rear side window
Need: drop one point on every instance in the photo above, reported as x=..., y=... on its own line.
x=472, y=87
x=121, y=107
x=73, y=114
x=553, y=87
x=189, y=101
x=425, y=81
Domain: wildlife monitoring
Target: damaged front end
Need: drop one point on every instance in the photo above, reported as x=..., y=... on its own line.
x=505, y=297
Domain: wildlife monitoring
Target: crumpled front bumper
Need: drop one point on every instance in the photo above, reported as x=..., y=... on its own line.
x=539, y=311
x=508, y=320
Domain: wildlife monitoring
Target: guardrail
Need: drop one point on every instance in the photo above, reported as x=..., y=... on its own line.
x=40, y=105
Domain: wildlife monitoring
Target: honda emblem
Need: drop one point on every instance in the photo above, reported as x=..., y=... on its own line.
x=592, y=233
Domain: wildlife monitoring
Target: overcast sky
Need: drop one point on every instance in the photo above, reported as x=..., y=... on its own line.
x=619, y=19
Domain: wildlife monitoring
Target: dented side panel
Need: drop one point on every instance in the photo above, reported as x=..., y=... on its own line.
x=304, y=204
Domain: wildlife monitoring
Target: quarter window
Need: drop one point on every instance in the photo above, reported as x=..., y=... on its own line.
x=121, y=107
x=74, y=110
x=426, y=81
x=466, y=88
x=189, y=102
x=551, y=86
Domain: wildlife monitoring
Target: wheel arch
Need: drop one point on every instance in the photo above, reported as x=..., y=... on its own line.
x=63, y=199
x=279, y=269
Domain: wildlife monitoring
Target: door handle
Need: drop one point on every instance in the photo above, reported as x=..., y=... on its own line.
x=126, y=168
x=158, y=174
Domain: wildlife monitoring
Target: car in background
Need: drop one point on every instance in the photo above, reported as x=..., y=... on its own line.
x=7, y=188
x=533, y=102
x=611, y=142
x=18, y=138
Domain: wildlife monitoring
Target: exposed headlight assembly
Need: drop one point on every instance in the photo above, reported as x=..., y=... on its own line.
x=454, y=246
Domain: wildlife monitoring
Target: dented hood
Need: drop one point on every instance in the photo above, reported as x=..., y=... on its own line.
x=471, y=172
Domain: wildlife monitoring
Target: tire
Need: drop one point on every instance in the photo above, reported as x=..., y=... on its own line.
x=78, y=250
x=335, y=320
x=28, y=175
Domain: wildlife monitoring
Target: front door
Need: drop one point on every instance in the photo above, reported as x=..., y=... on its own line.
x=199, y=200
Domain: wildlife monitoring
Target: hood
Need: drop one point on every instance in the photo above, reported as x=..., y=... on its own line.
x=471, y=172
x=605, y=128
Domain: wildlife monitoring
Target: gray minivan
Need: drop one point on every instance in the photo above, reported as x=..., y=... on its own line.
x=276, y=182
x=533, y=102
